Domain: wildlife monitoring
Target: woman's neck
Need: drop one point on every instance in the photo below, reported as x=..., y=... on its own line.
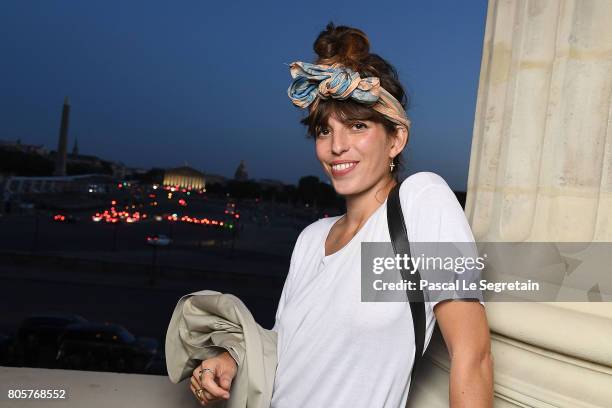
x=361, y=206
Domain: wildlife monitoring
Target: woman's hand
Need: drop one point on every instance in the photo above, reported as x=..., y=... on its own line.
x=216, y=380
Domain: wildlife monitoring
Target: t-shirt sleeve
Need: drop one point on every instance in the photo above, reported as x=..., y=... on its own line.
x=433, y=214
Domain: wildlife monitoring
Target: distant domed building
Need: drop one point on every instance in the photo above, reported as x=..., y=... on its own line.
x=184, y=177
x=241, y=173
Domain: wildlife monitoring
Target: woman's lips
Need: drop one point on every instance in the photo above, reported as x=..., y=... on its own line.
x=339, y=173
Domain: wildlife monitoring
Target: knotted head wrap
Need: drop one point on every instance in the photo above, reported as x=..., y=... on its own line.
x=312, y=82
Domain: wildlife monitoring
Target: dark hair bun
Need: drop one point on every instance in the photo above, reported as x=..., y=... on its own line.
x=346, y=45
x=350, y=47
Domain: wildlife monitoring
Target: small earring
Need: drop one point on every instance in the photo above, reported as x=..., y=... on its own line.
x=391, y=166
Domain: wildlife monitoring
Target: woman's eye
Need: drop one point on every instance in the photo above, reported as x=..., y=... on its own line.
x=324, y=132
x=360, y=125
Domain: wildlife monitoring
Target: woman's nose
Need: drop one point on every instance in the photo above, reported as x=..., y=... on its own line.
x=340, y=142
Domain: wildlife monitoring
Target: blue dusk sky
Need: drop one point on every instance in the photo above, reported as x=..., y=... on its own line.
x=161, y=84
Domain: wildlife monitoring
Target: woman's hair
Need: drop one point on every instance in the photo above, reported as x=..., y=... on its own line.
x=350, y=47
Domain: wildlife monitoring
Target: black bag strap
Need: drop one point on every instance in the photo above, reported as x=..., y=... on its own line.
x=401, y=246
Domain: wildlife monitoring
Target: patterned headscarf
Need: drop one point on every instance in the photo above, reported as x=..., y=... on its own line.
x=312, y=82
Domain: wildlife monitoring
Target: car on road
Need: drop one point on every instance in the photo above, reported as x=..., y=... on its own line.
x=104, y=347
x=158, y=240
x=28, y=207
x=36, y=340
x=230, y=208
x=65, y=218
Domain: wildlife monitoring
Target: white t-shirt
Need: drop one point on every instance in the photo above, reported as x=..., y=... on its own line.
x=334, y=350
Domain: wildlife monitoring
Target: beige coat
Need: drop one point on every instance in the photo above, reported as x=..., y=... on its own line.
x=206, y=323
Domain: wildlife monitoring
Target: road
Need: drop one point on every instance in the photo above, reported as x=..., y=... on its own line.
x=143, y=310
x=35, y=281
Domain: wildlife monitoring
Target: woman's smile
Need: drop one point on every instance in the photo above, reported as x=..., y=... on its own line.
x=339, y=169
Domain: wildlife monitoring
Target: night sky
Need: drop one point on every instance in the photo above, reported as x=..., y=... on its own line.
x=161, y=84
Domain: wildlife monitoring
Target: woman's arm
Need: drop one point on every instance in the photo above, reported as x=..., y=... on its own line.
x=466, y=332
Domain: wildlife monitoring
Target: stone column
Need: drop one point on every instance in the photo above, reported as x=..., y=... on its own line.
x=541, y=170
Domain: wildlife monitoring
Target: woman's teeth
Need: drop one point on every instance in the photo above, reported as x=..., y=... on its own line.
x=343, y=166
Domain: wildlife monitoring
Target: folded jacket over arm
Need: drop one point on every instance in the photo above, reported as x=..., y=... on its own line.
x=208, y=322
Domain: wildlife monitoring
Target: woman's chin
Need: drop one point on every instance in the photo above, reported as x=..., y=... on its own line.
x=344, y=187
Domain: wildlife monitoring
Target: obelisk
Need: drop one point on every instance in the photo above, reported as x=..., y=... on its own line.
x=60, y=159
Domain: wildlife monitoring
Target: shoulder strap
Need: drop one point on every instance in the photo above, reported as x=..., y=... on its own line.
x=401, y=246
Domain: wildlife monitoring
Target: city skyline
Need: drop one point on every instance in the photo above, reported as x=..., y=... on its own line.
x=159, y=87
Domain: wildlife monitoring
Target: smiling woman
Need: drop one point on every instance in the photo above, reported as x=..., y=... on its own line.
x=350, y=47
x=334, y=350
x=354, y=154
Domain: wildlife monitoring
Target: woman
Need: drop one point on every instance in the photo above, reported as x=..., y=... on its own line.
x=334, y=350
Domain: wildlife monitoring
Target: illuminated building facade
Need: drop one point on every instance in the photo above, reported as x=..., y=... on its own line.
x=184, y=177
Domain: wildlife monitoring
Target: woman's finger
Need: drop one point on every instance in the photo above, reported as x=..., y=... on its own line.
x=202, y=400
x=196, y=384
x=209, y=384
x=209, y=396
x=195, y=379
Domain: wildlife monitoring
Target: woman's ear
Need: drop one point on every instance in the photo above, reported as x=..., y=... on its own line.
x=400, y=140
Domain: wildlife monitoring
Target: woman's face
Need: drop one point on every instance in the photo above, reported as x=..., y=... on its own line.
x=355, y=156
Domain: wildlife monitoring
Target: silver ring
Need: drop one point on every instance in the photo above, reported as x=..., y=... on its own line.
x=207, y=369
